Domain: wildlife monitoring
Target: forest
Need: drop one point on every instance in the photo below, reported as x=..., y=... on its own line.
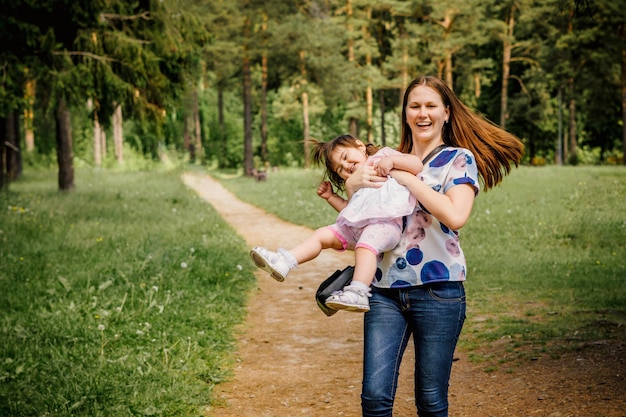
x=241, y=83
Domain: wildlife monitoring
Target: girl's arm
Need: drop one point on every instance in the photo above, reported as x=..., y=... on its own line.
x=404, y=162
x=337, y=202
x=452, y=208
x=325, y=190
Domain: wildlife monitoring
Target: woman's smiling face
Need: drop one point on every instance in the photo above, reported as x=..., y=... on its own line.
x=345, y=159
x=426, y=114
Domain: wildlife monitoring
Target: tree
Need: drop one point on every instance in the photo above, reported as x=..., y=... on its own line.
x=17, y=38
x=223, y=56
x=307, y=55
x=286, y=70
x=248, y=164
x=64, y=146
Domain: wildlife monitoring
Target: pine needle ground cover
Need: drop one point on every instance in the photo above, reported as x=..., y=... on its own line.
x=546, y=253
x=118, y=298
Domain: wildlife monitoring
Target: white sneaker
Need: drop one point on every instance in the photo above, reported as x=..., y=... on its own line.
x=350, y=299
x=272, y=262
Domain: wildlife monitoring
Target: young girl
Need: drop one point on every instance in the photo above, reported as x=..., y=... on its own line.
x=369, y=223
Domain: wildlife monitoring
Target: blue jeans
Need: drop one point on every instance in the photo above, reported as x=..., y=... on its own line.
x=434, y=315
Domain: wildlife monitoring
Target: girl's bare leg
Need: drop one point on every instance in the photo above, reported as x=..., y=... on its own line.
x=279, y=263
x=355, y=296
x=310, y=248
x=364, y=266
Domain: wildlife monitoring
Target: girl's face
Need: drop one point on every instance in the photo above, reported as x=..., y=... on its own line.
x=426, y=114
x=346, y=159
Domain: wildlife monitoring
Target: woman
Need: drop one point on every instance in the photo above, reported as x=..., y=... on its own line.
x=418, y=289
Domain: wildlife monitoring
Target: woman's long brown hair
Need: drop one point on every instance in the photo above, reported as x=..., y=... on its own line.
x=494, y=148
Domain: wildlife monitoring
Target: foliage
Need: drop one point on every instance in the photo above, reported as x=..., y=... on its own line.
x=152, y=56
x=117, y=299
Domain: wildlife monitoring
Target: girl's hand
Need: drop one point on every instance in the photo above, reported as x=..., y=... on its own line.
x=363, y=176
x=325, y=190
x=384, y=166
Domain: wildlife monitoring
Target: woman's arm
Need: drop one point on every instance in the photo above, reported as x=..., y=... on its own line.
x=452, y=208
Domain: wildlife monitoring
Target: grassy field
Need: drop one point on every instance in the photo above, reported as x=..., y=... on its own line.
x=546, y=251
x=117, y=299
x=121, y=297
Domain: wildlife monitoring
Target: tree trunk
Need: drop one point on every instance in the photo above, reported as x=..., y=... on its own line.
x=97, y=141
x=248, y=162
x=477, y=88
x=17, y=158
x=264, y=71
x=559, y=136
x=349, y=30
x=197, y=129
x=222, y=127
x=353, y=127
x=369, y=95
x=573, y=149
x=369, y=99
x=306, y=129
x=264, y=107
x=405, y=67
x=506, y=67
x=29, y=135
x=623, y=35
x=4, y=184
x=381, y=99
x=186, y=135
x=448, y=70
x=64, y=146
x=118, y=134
x=353, y=123
x=103, y=143
x=440, y=67
x=304, y=97
x=11, y=144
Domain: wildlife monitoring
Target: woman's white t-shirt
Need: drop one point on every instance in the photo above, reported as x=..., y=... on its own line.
x=429, y=251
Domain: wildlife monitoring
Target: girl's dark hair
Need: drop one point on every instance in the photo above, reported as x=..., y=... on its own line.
x=320, y=155
x=494, y=148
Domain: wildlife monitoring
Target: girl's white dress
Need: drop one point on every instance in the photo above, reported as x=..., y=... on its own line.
x=374, y=205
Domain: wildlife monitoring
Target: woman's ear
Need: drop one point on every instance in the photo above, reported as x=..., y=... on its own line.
x=360, y=145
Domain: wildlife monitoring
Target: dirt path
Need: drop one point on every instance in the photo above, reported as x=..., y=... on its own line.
x=292, y=360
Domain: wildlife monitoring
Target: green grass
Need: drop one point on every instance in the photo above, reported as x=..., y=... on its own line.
x=546, y=252
x=118, y=298
x=121, y=298
x=290, y=193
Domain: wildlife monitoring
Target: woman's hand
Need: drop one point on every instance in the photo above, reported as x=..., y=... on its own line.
x=363, y=176
x=325, y=190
